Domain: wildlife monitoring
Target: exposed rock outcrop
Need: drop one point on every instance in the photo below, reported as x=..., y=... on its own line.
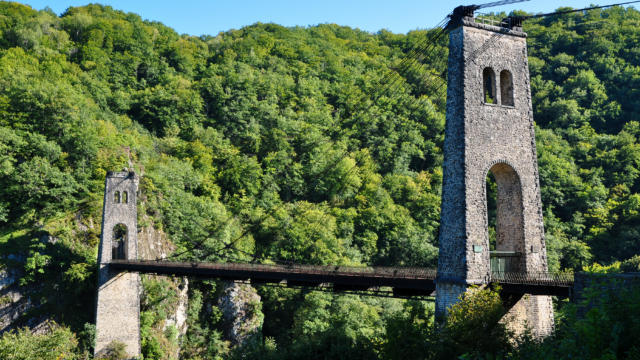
x=154, y=244
x=12, y=305
x=6, y=279
x=241, y=312
x=12, y=302
x=178, y=319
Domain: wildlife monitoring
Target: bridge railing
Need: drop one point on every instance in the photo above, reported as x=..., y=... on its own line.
x=387, y=272
x=396, y=272
x=533, y=278
x=561, y=279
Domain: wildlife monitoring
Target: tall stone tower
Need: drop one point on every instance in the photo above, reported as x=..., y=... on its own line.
x=118, y=300
x=489, y=128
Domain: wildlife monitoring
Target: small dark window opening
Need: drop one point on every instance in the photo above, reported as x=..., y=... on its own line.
x=125, y=197
x=119, y=243
x=506, y=88
x=489, y=85
x=116, y=197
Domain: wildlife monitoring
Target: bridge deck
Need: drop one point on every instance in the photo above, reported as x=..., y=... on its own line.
x=404, y=281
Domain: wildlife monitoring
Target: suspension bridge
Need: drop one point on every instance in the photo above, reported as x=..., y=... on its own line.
x=489, y=129
x=403, y=281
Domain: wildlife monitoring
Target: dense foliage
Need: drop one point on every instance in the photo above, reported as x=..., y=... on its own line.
x=288, y=144
x=59, y=343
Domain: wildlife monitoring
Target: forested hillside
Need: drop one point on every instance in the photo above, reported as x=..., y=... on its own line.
x=287, y=144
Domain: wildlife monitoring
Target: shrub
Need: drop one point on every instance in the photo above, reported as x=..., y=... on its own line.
x=59, y=344
x=114, y=351
x=473, y=327
x=631, y=265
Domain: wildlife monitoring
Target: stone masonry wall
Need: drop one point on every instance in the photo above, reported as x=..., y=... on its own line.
x=118, y=300
x=482, y=137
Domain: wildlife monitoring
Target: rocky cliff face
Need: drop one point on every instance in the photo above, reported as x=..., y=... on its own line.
x=178, y=318
x=241, y=312
x=154, y=244
x=14, y=299
x=12, y=302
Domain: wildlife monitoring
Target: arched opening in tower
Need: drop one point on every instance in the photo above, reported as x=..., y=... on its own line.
x=489, y=85
x=119, y=242
x=491, y=210
x=505, y=219
x=506, y=88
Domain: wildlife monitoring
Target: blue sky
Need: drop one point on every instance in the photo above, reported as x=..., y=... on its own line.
x=198, y=17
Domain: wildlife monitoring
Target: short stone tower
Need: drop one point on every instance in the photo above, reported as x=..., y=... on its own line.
x=489, y=128
x=118, y=300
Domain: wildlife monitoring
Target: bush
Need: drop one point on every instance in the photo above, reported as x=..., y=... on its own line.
x=114, y=351
x=608, y=330
x=631, y=265
x=473, y=327
x=59, y=344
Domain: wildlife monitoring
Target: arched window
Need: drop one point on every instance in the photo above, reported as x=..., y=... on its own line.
x=506, y=88
x=116, y=197
x=125, y=197
x=119, y=242
x=505, y=219
x=489, y=85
